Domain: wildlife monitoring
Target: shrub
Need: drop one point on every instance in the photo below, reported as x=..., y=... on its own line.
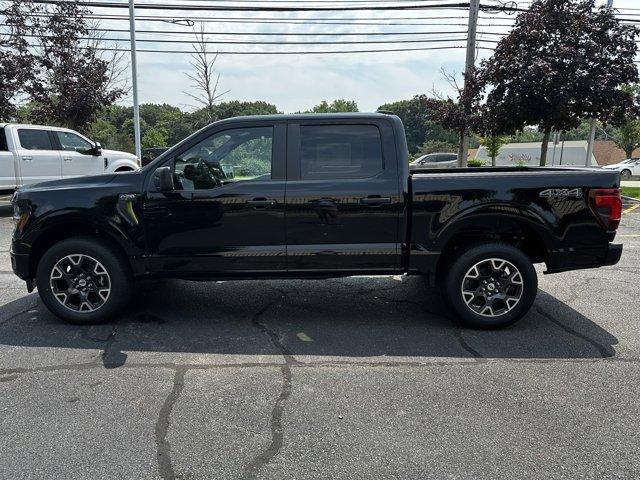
x=475, y=163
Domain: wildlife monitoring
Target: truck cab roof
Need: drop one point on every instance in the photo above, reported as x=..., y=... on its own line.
x=307, y=116
x=29, y=125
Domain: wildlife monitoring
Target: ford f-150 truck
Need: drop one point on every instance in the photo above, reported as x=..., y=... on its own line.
x=33, y=153
x=312, y=196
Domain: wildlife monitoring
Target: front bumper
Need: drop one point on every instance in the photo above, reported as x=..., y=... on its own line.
x=20, y=265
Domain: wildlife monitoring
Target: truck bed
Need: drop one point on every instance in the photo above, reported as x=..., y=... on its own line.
x=545, y=206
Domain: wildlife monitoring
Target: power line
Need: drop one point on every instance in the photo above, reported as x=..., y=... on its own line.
x=305, y=52
x=306, y=1
x=306, y=34
x=233, y=8
x=262, y=42
x=279, y=21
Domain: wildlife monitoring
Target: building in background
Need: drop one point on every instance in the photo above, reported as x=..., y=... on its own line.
x=564, y=153
x=605, y=152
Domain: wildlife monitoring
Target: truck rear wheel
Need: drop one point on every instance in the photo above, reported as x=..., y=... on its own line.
x=490, y=286
x=84, y=281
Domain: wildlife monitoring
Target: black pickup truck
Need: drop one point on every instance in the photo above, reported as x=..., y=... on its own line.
x=312, y=196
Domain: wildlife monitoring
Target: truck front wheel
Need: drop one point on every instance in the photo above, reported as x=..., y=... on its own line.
x=84, y=280
x=490, y=286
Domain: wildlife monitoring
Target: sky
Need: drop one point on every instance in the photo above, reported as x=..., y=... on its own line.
x=298, y=82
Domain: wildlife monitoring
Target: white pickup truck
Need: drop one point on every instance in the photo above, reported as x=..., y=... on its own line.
x=32, y=154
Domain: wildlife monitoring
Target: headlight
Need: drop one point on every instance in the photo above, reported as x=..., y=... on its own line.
x=20, y=216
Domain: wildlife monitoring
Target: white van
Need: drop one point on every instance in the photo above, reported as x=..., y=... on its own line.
x=32, y=154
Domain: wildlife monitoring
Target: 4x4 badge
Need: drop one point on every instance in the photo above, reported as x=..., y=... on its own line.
x=561, y=193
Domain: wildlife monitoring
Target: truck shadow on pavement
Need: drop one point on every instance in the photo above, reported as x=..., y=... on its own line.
x=372, y=319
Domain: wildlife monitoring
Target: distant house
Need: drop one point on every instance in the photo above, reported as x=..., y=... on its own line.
x=564, y=153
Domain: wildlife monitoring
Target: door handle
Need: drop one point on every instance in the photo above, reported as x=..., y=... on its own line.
x=375, y=201
x=67, y=159
x=261, y=202
x=27, y=159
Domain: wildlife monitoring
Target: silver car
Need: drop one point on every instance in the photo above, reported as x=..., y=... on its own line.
x=435, y=160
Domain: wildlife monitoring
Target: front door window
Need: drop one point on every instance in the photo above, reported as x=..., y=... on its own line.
x=230, y=156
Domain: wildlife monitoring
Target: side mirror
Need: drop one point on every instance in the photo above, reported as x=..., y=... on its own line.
x=163, y=179
x=97, y=149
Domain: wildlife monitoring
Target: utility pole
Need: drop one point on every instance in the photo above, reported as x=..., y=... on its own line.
x=592, y=137
x=474, y=8
x=134, y=75
x=592, y=123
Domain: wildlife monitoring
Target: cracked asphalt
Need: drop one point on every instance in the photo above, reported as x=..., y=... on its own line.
x=354, y=378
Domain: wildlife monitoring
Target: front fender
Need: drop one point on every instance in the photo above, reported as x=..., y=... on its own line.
x=67, y=221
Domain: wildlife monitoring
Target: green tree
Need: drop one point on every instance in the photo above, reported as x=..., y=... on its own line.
x=419, y=128
x=627, y=137
x=175, y=123
x=564, y=61
x=155, y=137
x=103, y=131
x=337, y=106
x=233, y=108
x=493, y=144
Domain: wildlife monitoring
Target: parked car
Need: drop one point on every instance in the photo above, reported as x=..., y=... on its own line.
x=150, y=154
x=33, y=153
x=435, y=160
x=628, y=167
x=321, y=196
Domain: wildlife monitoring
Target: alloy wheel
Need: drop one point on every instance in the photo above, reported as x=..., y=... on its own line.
x=492, y=287
x=80, y=283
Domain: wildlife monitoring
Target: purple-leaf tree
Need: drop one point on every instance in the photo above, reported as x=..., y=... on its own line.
x=17, y=63
x=564, y=61
x=462, y=115
x=75, y=83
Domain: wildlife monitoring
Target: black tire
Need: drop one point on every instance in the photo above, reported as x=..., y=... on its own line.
x=626, y=173
x=506, y=313
x=118, y=278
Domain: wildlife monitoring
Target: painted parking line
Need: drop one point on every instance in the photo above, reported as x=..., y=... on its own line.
x=628, y=236
x=631, y=209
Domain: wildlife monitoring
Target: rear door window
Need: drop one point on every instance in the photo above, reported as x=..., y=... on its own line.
x=4, y=147
x=32, y=139
x=340, y=151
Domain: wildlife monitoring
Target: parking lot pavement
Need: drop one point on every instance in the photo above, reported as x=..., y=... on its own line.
x=345, y=378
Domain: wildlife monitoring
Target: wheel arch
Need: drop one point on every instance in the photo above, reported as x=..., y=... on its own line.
x=58, y=231
x=527, y=232
x=122, y=165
